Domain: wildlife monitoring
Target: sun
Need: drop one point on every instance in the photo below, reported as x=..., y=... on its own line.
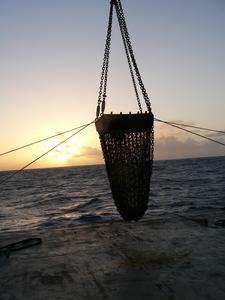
x=62, y=157
x=64, y=152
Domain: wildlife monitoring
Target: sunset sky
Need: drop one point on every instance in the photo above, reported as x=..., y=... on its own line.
x=50, y=63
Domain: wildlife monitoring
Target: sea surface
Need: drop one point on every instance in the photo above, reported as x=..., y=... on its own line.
x=43, y=198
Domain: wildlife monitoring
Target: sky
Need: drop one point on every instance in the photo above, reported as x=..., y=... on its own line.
x=50, y=63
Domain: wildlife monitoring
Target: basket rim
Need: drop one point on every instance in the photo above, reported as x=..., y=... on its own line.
x=124, y=122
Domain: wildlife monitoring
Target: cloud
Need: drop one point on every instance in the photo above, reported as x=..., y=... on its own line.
x=172, y=142
x=172, y=147
x=89, y=151
x=87, y=155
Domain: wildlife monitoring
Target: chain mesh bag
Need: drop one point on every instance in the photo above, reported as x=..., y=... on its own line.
x=127, y=139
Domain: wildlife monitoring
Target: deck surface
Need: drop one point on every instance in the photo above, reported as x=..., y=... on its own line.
x=160, y=258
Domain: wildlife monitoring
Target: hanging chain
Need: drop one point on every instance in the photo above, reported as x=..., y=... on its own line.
x=104, y=74
x=128, y=41
x=130, y=58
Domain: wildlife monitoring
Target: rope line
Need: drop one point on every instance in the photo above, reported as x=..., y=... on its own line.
x=197, y=127
x=75, y=128
x=39, y=157
x=189, y=131
x=42, y=140
x=82, y=127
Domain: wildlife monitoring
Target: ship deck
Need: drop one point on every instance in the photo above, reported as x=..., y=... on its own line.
x=161, y=258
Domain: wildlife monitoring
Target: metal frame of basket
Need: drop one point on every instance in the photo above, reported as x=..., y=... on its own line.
x=127, y=144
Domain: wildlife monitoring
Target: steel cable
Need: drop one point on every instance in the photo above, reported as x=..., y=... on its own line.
x=42, y=140
x=189, y=131
x=39, y=157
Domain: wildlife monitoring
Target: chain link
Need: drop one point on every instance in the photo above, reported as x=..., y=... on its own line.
x=130, y=58
x=104, y=74
x=128, y=41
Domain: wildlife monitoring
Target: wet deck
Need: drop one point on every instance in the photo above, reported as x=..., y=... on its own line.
x=165, y=258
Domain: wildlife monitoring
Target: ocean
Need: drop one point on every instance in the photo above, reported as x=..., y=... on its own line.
x=43, y=198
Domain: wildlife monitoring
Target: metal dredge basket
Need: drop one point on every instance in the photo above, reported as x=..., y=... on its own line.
x=127, y=145
x=127, y=139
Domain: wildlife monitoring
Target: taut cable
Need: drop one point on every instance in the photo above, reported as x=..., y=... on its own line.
x=36, y=159
x=189, y=131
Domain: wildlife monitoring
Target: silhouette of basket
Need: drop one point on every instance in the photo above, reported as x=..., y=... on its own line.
x=127, y=145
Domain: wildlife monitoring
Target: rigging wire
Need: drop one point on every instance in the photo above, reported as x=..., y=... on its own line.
x=36, y=159
x=197, y=127
x=82, y=127
x=42, y=140
x=75, y=128
x=189, y=131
